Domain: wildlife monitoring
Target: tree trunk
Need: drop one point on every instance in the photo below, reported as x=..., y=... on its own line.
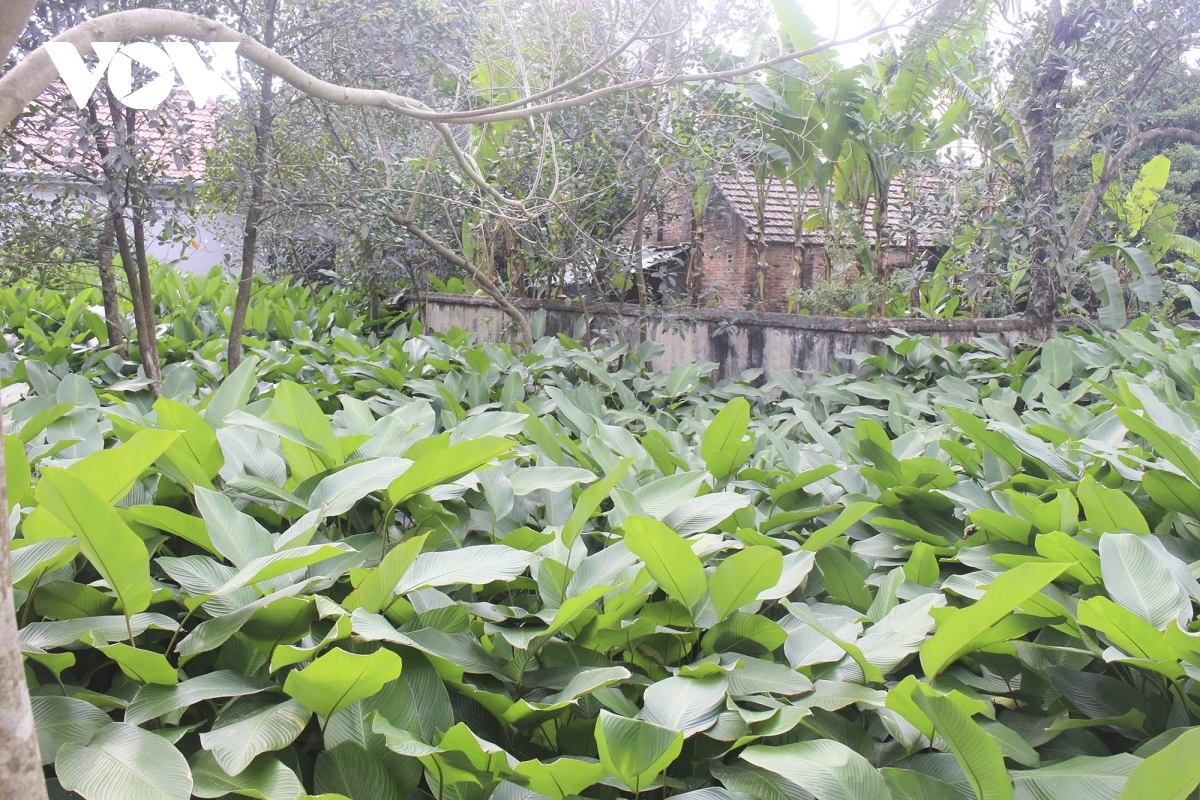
x=20, y=762
x=108, y=285
x=143, y=317
x=1042, y=123
x=254, y=211
x=150, y=352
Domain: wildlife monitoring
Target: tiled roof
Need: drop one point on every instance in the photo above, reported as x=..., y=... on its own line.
x=905, y=198
x=53, y=138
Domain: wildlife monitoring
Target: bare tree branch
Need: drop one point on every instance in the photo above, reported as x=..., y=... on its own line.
x=14, y=15
x=477, y=275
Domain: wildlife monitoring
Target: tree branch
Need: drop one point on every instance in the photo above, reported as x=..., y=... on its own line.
x=14, y=16
x=477, y=275
x=1112, y=168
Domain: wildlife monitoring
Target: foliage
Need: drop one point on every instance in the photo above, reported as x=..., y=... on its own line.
x=366, y=566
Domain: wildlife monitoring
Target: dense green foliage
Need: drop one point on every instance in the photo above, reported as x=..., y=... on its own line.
x=371, y=565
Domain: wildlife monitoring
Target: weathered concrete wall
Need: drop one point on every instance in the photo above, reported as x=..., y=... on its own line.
x=735, y=340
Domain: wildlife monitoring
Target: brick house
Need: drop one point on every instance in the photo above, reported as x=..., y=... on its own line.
x=724, y=260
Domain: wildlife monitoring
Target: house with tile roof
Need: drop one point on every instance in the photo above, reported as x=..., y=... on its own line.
x=755, y=243
x=51, y=152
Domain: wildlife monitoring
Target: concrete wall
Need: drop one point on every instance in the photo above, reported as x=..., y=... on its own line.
x=735, y=340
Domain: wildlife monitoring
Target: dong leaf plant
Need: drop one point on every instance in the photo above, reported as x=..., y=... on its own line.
x=379, y=563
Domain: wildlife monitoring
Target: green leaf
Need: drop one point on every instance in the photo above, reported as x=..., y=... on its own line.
x=236, y=536
x=1172, y=492
x=65, y=600
x=64, y=720
x=237, y=743
x=689, y=705
x=155, y=701
x=669, y=559
x=722, y=447
x=590, y=499
x=380, y=583
x=635, y=751
x=957, y=633
x=16, y=470
x=144, y=666
x=478, y=564
x=1079, y=778
x=121, y=762
x=197, y=454
x=824, y=768
x=1109, y=511
x=185, y=526
x=338, y=678
x=742, y=576
x=922, y=565
x=445, y=465
x=112, y=548
x=1125, y=629
x=350, y=770
x=111, y=473
x=1170, y=774
x=283, y=562
x=558, y=779
x=233, y=393
x=1136, y=578
x=843, y=581
x=849, y=516
x=977, y=753
x=266, y=778
x=1168, y=445
x=341, y=490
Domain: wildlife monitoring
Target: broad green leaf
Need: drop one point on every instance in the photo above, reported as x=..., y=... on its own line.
x=338, y=678
x=16, y=470
x=236, y=536
x=922, y=565
x=351, y=770
x=1170, y=774
x=115, y=551
x=824, y=768
x=144, y=666
x=977, y=753
x=1172, y=492
x=590, y=499
x=722, y=447
x=842, y=578
x=185, y=526
x=283, y=562
x=1137, y=579
x=64, y=720
x=558, y=779
x=236, y=744
x=33, y=559
x=233, y=393
x=478, y=564
x=445, y=465
x=1125, y=629
x=690, y=705
x=153, y=701
x=341, y=490
x=956, y=634
x=266, y=778
x=1079, y=778
x=1109, y=511
x=66, y=600
x=848, y=516
x=669, y=559
x=111, y=473
x=121, y=762
x=197, y=454
x=1169, y=446
x=380, y=583
x=742, y=576
x=635, y=751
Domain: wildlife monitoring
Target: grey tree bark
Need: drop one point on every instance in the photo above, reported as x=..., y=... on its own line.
x=20, y=761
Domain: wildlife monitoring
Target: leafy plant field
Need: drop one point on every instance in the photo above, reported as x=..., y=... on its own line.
x=413, y=566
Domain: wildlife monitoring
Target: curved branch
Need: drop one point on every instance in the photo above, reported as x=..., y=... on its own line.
x=1112, y=167
x=26, y=81
x=477, y=275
